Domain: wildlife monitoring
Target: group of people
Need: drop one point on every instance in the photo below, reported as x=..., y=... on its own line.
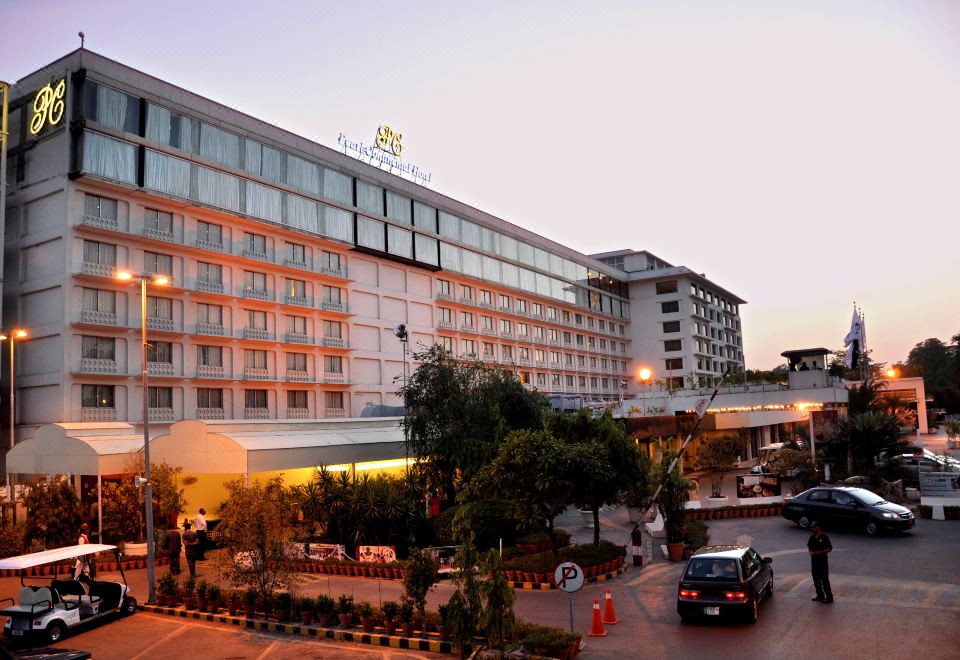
x=193, y=543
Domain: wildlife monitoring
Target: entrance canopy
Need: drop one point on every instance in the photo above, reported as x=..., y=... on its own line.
x=82, y=448
x=246, y=447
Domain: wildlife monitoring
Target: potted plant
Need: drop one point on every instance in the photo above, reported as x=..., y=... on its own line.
x=284, y=606
x=213, y=598
x=189, y=593
x=345, y=610
x=673, y=501
x=718, y=455
x=166, y=588
x=406, y=616
x=250, y=602
x=233, y=602
x=365, y=611
x=391, y=610
x=306, y=606
x=324, y=610
x=202, y=586
x=444, y=627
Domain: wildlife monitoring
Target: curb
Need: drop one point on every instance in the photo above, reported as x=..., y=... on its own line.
x=547, y=586
x=337, y=634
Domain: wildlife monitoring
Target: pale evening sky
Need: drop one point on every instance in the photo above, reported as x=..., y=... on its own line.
x=801, y=154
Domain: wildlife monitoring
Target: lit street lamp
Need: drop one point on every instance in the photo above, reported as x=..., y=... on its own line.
x=159, y=280
x=16, y=333
x=645, y=375
x=892, y=373
x=400, y=332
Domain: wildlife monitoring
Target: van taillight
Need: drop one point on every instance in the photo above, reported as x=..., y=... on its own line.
x=688, y=593
x=735, y=595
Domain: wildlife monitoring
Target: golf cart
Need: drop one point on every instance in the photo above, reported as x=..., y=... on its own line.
x=51, y=608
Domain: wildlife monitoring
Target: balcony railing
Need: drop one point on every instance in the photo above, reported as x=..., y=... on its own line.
x=302, y=301
x=210, y=413
x=98, y=366
x=210, y=371
x=445, y=325
x=161, y=414
x=210, y=329
x=254, y=254
x=251, y=373
x=98, y=317
x=256, y=413
x=209, y=287
x=99, y=270
x=335, y=342
x=295, y=376
x=293, y=263
x=98, y=414
x=337, y=379
x=298, y=338
x=257, y=294
x=330, y=306
x=154, y=323
x=255, y=333
x=333, y=272
x=298, y=413
x=160, y=369
x=446, y=296
x=216, y=247
x=335, y=413
x=97, y=221
x=159, y=234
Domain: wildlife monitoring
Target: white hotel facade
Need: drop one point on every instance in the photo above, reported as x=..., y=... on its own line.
x=291, y=264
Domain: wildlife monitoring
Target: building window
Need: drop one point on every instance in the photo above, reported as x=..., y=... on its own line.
x=98, y=348
x=523, y=330
x=670, y=286
x=446, y=315
x=504, y=302
x=521, y=306
x=209, y=273
x=160, y=351
x=488, y=350
x=671, y=326
x=333, y=329
x=254, y=358
x=256, y=320
x=209, y=397
x=469, y=347
x=297, y=399
x=506, y=326
x=209, y=356
x=466, y=319
x=331, y=261
x=333, y=399
x=506, y=352
x=253, y=281
x=255, y=244
x=670, y=307
x=210, y=233
x=541, y=380
x=154, y=263
x=487, y=322
x=443, y=286
x=537, y=309
x=296, y=288
x=673, y=363
x=254, y=398
x=524, y=353
x=332, y=364
x=538, y=333
x=96, y=396
x=296, y=361
x=103, y=254
x=568, y=380
x=331, y=294
x=210, y=314
x=297, y=325
x=447, y=344
x=672, y=345
x=95, y=300
x=159, y=221
x=159, y=308
x=486, y=297
x=100, y=207
x=467, y=292
x=295, y=253
x=160, y=397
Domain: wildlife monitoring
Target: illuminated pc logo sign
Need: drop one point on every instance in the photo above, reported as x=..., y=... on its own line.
x=47, y=106
x=389, y=140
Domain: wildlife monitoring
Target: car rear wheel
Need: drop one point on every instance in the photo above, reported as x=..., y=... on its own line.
x=770, y=589
x=804, y=522
x=753, y=613
x=873, y=528
x=129, y=606
x=55, y=631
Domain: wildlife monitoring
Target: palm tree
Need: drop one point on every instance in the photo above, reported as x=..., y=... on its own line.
x=865, y=435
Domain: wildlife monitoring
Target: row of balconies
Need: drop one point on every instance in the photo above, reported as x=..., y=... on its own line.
x=102, y=367
x=169, y=414
x=526, y=362
x=491, y=332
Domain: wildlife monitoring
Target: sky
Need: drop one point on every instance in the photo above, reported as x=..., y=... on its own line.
x=803, y=155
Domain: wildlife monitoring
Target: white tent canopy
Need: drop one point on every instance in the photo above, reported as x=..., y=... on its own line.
x=82, y=448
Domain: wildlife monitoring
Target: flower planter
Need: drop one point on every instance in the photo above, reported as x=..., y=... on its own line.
x=249, y=610
x=189, y=603
x=325, y=619
x=510, y=574
x=368, y=624
x=540, y=578
x=233, y=607
x=391, y=626
x=306, y=617
x=675, y=551
x=408, y=628
x=346, y=620
x=444, y=632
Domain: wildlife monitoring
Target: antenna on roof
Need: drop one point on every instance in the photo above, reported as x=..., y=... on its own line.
x=82, y=37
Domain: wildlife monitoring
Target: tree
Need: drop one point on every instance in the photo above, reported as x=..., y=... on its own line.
x=498, y=619
x=254, y=524
x=673, y=499
x=719, y=455
x=53, y=515
x=466, y=602
x=419, y=578
x=778, y=374
x=863, y=436
x=124, y=503
x=457, y=414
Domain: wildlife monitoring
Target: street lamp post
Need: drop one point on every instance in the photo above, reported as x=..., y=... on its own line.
x=645, y=376
x=16, y=333
x=401, y=333
x=159, y=280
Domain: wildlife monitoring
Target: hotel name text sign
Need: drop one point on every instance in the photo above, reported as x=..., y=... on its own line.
x=384, y=153
x=48, y=106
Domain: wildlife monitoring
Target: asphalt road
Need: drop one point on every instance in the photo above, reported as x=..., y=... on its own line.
x=896, y=597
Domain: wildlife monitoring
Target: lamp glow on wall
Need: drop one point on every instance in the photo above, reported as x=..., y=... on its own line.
x=157, y=280
x=15, y=334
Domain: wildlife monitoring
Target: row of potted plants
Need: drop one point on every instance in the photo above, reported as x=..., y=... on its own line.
x=322, y=610
x=388, y=571
x=739, y=511
x=539, y=567
x=541, y=541
x=547, y=641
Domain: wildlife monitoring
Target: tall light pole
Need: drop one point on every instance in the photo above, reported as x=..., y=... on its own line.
x=159, y=280
x=16, y=333
x=400, y=332
x=645, y=375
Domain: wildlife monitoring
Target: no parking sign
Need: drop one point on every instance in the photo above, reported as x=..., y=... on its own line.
x=569, y=578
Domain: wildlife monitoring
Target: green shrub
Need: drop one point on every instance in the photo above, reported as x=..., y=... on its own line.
x=697, y=534
x=490, y=520
x=307, y=604
x=12, y=541
x=324, y=604
x=391, y=609
x=345, y=604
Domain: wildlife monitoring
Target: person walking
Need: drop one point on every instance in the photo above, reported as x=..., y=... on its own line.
x=191, y=543
x=200, y=526
x=81, y=570
x=819, y=546
x=172, y=546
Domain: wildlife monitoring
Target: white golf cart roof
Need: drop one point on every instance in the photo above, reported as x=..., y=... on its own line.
x=52, y=556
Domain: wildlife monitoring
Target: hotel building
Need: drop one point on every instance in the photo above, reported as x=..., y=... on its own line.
x=291, y=265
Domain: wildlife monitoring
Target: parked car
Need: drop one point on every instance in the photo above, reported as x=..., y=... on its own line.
x=847, y=507
x=724, y=579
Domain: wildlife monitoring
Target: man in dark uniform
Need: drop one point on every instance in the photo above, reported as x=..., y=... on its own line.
x=191, y=548
x=819, y=546
x=172, y=546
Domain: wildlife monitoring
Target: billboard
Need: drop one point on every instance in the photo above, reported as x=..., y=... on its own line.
x=940, y=484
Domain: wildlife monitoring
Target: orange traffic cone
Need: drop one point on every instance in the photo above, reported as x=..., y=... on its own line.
x=609, y=614
x=596, y=626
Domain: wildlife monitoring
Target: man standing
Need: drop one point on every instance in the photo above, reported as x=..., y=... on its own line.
x=819, y=546
x=191, y=549
x=81, y=570
x=172, y=546
x=200, y=525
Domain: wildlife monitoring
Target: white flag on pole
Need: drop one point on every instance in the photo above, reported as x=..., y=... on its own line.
x=854, y=340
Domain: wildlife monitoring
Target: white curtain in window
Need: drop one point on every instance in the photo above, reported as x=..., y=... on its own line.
x=424, y=217
x=331, y=329
x=543, y=285
x=158, y=124
x=263, y=202
x=218, y=189
x=400, y=241
x=369, y=197
x=450, y=257
x=449, y=225
x=110, y=158
x=338, y=187
x=271, y=166
x=426, y=250
x=528, y=281
x=252, y=156
x=337, y=223
x=111, y=107
x=219, y=145
x=188, y=130
x=303, y=174
x=332, y=364
x=508, y=247
x=491, y=269
x=471, y=264
x=398, y=208
x=254, y=359
x=470, y=233
x=167, y=174
x=302, y=213
x=524, y=253
x=370, y=233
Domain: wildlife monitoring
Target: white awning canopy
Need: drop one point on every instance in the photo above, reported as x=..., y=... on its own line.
x=82, y=448
x=52, y=556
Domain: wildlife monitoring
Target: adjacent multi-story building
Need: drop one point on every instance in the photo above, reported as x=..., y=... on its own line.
x=684, y=327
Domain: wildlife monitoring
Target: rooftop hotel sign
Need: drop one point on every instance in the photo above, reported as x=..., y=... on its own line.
x=385, y=153
x=47, y=106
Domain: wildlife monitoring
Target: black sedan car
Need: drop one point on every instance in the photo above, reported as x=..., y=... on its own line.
x=724, y=579
x=844, y=507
